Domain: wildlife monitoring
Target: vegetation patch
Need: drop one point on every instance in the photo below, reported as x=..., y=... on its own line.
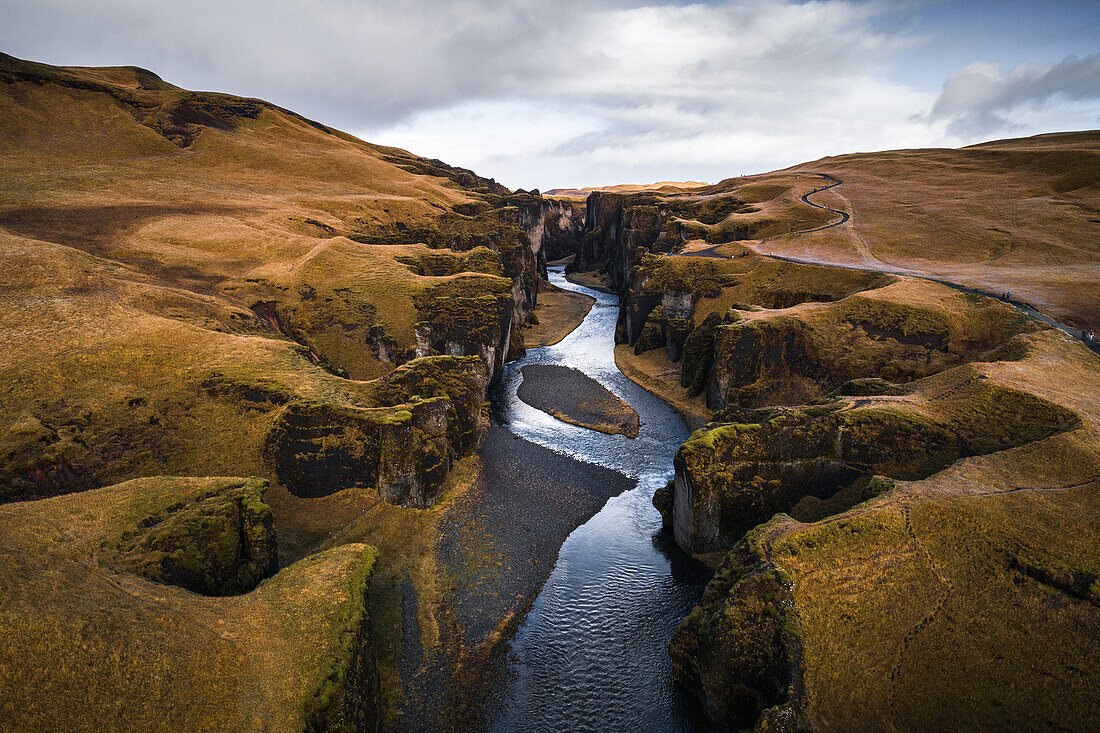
x=347, y=698
x=221, y=543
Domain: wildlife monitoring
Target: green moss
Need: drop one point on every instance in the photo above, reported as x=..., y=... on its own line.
x=997, y=418
x=816, y=462
x=868, y=387
x=345, y=699
x=439, y=263
x=221, y=543
x=467, y=309
x=653, y=334
x=899, y=321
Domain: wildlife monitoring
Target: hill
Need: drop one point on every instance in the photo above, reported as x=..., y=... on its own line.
x=207, y=286
x=1011, y=215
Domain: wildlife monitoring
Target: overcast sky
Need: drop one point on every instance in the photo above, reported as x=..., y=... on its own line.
x=589, y=92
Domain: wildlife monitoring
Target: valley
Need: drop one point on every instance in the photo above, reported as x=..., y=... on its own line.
x=306, y=433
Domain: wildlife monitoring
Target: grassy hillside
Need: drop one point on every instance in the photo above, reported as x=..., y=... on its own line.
x=200, y=285
x=111, y=649
x=1018, y=215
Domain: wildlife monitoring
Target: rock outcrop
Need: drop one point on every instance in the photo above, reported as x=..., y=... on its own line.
x=618, y=229
x=795, y=332
x=221, y=543
x=737, y=652
x=468, y=316
x=814, y=462
x=431, y=414
x=349, y=695
x=621, y=228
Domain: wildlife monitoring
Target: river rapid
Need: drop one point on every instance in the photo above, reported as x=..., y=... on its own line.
x=592, y=654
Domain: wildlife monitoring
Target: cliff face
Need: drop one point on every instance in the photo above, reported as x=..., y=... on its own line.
x=618, y=229
x=857, y=420
x=738, y=651
x=554, y=226
x=222, y=543
x=432, y=416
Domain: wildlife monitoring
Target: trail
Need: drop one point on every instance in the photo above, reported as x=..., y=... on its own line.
x=844, y=215
x=883, y=267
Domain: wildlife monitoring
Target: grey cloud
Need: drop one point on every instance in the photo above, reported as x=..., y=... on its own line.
x=346, y=62
x=367, y=64
x=661, y=85
x=980, y=98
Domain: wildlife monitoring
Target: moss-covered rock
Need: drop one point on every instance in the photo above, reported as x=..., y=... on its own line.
x=994, y=418
x=218, y=544
x=662, y=502
x=757, y=360
x=653, y=333
x=698, y=355
x=467, y=316
x=737, y=651
x=348, y=699
x=444, y=262
x=812, y=462
x=431, y=415
x=868, y=387
x=457, y=378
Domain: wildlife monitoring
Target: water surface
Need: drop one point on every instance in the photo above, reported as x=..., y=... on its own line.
x=592, y=653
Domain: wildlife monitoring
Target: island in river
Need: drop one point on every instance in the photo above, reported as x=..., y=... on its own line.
x=572, y=397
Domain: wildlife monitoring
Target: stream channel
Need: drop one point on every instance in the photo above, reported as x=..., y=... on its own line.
x=592, y=653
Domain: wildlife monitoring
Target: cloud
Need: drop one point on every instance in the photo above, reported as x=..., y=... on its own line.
x=981, y=98
x=706, y=91
x=572, y=92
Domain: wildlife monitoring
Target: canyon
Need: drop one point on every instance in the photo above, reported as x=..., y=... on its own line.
x=277, y=448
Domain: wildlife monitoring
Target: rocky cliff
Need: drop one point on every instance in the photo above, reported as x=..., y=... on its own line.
x=554, y=226
x=860, y=425
x=815, y=462
x=430, y=416
x=621, y=227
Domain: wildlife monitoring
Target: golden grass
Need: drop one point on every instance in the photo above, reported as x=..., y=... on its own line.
x=1016, y=215
x=109, y=648
x=969, y=599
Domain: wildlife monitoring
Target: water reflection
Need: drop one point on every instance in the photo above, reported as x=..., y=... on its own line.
x=593, y=651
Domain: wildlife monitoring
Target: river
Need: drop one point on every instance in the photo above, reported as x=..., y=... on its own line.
x=592, y=653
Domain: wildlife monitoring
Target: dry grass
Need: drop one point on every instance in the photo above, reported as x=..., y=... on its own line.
x=110, y=649
x=1016, y=215
x=969, y=599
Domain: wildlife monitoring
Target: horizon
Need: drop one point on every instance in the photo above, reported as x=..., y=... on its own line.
x=598, y=94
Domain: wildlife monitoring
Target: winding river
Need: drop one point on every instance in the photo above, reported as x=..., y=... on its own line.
x=592, y=653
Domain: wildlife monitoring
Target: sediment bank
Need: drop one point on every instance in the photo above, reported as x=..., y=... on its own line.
x=572, y=397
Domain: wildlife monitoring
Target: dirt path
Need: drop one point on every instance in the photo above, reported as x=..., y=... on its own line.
x=877, y=265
